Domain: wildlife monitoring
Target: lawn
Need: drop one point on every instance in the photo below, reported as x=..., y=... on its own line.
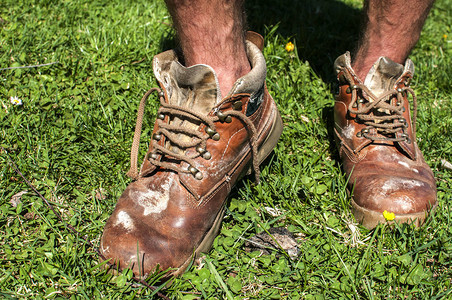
x=89, y=63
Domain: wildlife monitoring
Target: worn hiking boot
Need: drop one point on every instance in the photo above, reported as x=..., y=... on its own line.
x=377, y=144
x=202, y=144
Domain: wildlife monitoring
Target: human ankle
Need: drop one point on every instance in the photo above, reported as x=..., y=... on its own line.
x=365, y=59
x=228, y=75
x=387, y=34
x=229, y=66
x=211, y=32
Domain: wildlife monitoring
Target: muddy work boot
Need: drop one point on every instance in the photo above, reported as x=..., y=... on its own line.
x=202, y=145
x=388, y=176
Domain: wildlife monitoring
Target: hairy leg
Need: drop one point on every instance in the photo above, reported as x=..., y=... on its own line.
x=392, y=29
x=212, y=32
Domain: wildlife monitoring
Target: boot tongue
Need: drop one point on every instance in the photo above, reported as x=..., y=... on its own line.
x=383, y=75
x=195, y=87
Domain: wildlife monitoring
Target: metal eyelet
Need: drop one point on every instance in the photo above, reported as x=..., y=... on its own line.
x=216, y=136
x=359, y=134
x=192, y=170
x=348, y=90
x=157, y=136
x=153, y=156
x=399, y=90
x=210, y=131
x=406, y=137
x=161, y=94
x=200, y=150
x=213, y=134
x=402, y=120
x=195, y=172
x=223, y=117
x=206, y=155
x=237, y=105
x=361, y=100
x=161, y=116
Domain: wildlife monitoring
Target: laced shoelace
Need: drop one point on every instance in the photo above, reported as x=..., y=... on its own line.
x=366, y=107
x=171, y=134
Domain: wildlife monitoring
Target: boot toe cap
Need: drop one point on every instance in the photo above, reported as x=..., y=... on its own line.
x=126, y=246
x=405, y=200
x=400, y=195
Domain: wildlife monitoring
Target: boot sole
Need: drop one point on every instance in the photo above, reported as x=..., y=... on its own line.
x=370, y=219
x=264, y=151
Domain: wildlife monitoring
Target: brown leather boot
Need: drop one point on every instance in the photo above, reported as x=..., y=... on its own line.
x=202, y=144
x=377, y=144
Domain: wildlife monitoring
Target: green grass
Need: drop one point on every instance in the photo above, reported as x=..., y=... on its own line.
x=71, y=138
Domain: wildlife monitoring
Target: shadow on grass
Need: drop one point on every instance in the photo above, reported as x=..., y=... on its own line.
x=323, y=29
x=328, y=119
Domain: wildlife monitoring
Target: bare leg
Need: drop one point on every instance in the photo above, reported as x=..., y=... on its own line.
x=212, y=32
x=393, y=28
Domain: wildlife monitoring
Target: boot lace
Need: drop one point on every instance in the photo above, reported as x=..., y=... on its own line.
x=383, y=113
x=171, y=135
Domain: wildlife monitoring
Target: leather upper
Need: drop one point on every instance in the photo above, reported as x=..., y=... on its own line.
x=386, y=171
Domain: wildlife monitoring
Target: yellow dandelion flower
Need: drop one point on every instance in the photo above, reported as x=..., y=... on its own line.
x=444, y=36
x=389, y=216
x=290, y=47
